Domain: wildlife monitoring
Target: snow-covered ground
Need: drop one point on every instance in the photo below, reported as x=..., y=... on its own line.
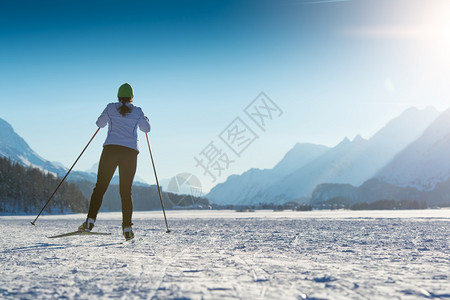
x=230, y=255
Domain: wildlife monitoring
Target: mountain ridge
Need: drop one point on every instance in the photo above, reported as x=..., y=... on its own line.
x=349, y=162
x=247, y=185
x=425, y=162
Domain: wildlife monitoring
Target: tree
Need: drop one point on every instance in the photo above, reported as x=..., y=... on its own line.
x=25, y=189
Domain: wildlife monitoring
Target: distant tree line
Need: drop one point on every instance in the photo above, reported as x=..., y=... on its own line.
x=388, y=204
x=294, y=206
x=25, y=190
x=330, y=195
x=384, y=204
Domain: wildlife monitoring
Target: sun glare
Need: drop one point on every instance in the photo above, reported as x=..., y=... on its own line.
x=438, y=27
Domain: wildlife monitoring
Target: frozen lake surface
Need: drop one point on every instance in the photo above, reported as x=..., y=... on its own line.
x=231, y=255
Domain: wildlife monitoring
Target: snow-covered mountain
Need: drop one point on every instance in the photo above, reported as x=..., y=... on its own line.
x=328, y=167
x=238, y=188
x=425, y=162
x=16, y=149
x=350, y=162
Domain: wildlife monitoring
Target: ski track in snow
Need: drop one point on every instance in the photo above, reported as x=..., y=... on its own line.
x=229, y=256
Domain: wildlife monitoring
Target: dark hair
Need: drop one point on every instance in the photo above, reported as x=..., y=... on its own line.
x=123, y=110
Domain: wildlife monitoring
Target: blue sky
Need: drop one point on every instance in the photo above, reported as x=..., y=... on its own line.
x=335, y=68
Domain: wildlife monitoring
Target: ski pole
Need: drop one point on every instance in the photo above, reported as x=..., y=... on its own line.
x=157, y=184
x=32, y=223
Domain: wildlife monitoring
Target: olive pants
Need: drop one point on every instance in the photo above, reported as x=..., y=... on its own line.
x=114, y=156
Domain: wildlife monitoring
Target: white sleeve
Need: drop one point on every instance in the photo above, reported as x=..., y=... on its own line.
x=143, y=123
x=103, y=119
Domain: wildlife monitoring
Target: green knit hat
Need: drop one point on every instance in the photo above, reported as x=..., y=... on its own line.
x=125, y=90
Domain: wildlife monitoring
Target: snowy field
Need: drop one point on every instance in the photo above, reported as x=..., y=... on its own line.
x=231, y=255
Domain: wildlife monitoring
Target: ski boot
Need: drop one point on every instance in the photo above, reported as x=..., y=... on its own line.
x=128, y=233
x=87, y=225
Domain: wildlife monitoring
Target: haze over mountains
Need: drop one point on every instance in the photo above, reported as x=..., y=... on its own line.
x=351, y=162
x=425, y=162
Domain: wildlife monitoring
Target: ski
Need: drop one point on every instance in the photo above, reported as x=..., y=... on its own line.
x=128, y=242
x=78, y=233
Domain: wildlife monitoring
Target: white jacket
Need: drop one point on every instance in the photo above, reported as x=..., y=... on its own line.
x=122, y=130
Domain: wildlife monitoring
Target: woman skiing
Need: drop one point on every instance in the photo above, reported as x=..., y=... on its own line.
x=119, y=150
